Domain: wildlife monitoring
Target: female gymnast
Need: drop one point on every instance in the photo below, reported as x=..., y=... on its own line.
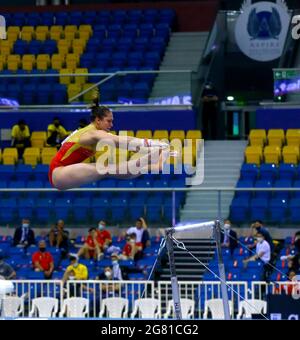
x=67, y=170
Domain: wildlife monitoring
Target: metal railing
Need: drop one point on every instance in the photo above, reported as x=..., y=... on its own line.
x=95, y=291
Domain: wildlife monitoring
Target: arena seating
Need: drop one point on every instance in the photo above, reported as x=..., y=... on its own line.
x=272, y=161
x=82, y=42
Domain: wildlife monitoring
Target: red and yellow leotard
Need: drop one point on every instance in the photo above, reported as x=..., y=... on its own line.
x=72, y=152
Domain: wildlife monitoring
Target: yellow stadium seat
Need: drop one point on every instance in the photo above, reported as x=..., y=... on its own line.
x=13, y=29
x=63, y=46
x=13, y=62
x=88, y=97
x=56, y=28
x=38, y=139
x=42, y=35
x=72, y=61
x=28, y=62
x=66, y=80
x=31, y=156
x=293, y=137
x=47, y=155
x=86, y=28
x=6, y=47
x=177, y=134
x=84, y=35
x=78, y=50
x=129, y=133
x=276, y=137
x=12, y=36
x=161, y=134
x=29, y=29
x=2, y=65
x=189, y=156
x=10, y=156
x=70, y=28
x=0, y=155
x=57, y=61
x=41, y=29
x=70, y=36
x=73, y=90
x=55, y=35
x=254, y=154
x=144, y=134
x=27, y=36
x=43, y=62
x=194, y=134
x=272, y=154
x=81, y=80
x=291, y=154
x=258, y=137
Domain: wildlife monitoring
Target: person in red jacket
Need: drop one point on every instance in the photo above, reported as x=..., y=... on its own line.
x=43, y=261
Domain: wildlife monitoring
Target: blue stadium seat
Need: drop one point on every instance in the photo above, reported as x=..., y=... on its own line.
x=29, y=94
x=268, y=172
x=249, y=172
x=244, y=184
x=284, y=183
x=258, y=209
x=130, y=30
x=263, y=184
x=24, y=172
x=16, y=185
x=25, y=208
x=287, y=171
x=119, y=207
x=100, y=209
x=239, y=210
x=41, y=172
x=278, y=210
x=62, y=208
x=8, y=210
x=81, y=208
x=7, y=172
x=44, y=209
x=295, y=210
x=49, y=47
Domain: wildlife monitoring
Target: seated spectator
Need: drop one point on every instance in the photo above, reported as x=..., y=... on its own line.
x=56, y=133
x=296, y=242
x=141, y=232
x=43, y=261
x=117, y=272
x=257, y=227
x=108, y=288
x=229, y=237
x=20, y=135
x=24, y=236
x=103, y=236
x=59, y=238
x=293, y=262
x=75, y=270
x=130, y=249
x=263, y=253
x=91, y=248
x=6, y=271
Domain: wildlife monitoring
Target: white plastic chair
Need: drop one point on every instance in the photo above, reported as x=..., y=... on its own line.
x=44, y=307
x=116, y=307
x=12, y=306
x=187, y=308
x=146, y=308
x=215, y=306
x=75, y=308
x=251, y=306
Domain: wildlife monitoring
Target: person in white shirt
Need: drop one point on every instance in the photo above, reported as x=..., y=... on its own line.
x=263, y=253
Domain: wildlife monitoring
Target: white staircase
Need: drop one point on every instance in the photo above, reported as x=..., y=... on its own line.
x=184, y=52
x=222, y=165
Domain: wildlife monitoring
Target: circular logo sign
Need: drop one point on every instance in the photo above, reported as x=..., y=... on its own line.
x=261, y=29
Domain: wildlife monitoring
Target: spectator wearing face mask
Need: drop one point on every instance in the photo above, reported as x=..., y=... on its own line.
x=229, y=237
x=103, y=236
x=130, y=248
x=56, y=133
x=43, y=261
x=24, y=236
x=263, y=253
x=91, y=248
x=80, y=270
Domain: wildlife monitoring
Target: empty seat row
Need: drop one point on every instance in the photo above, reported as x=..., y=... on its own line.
x=270, y=171
x=274, y=137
